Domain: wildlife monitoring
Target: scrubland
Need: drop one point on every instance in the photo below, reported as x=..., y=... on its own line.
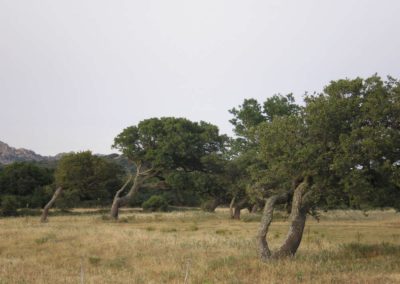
x=196, y=247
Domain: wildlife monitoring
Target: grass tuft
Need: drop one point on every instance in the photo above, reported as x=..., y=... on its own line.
x=357, y=250
x=168, y=230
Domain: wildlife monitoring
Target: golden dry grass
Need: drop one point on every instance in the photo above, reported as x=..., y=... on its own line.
x=204, y=248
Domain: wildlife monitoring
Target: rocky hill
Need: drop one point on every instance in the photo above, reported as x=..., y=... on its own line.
x=9, y=155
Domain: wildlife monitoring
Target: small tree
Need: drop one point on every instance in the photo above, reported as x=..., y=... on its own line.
x=82, y=177
x=9, y=205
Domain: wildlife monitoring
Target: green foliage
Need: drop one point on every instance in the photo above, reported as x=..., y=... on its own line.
x=26, y=182
x=346, y=140
x=155, y=203
x=209, y=205
x=9, y=205
x=170, y=143
x=86, y=178
x=179, y=152
x=245, y=169
x=246, y=116
x=278, y=106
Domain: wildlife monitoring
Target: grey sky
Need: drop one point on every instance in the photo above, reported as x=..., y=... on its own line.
x=74, y=73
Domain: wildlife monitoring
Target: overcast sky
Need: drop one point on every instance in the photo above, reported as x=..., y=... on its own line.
x=74, y=73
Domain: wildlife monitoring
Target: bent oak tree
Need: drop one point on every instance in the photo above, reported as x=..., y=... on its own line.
x=160, y=146
x=342, y=148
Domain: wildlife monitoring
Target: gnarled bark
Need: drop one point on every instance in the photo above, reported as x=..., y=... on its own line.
x=119, y=201
x=298, y=215
x=266, y=219
x=46, y=209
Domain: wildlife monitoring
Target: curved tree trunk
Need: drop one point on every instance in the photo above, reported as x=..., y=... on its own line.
x=266, y=219
x=138, y=181
x=117, y=202
x=46, y=209
x=298, y=217
x=296, y=227
x=122, y=201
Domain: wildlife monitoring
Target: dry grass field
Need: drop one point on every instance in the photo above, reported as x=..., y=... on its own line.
x=344, y=247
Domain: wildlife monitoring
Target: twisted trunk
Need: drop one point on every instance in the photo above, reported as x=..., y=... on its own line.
x=298, y=216
x=118, y=201
x=266, y=219
x=46, y=209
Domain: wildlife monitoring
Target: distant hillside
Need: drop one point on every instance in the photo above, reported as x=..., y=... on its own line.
x=10, y=154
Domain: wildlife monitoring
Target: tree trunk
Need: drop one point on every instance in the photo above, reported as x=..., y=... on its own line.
x=266, y=219
x=298, y=217
x=139, y=179
x=46, y=209
x=231, y=206
x=296, y=227
x=254, y=209
x=236, y=214
x=121, y=201
x=239, y=206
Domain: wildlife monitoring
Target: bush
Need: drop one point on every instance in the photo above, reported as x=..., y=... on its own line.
x=67, y=200
x=155, y=203
x=209, y=205
x=9, y=205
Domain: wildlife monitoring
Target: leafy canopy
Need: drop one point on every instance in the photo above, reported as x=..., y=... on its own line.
x=84, y=176
x=347, y=139
x=170, y=143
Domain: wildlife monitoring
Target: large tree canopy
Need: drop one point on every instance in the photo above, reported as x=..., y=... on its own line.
x=170, y=143
x=159, y=146
x=347, y=139
x=343, y=148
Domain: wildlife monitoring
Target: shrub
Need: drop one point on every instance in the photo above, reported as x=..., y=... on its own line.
x=155, y=203
x=209, y=205
x=168, y=230
x=9, y=205
x=251, y=218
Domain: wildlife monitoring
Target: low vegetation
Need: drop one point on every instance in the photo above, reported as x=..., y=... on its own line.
x=344, y=247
